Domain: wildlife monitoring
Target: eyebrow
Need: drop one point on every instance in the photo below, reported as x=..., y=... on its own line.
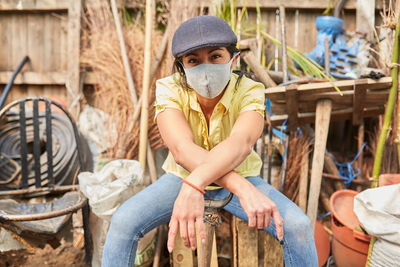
x=209, y=52
x=215, y=49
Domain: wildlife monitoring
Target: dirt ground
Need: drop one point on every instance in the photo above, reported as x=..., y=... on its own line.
x=67, y=254
x=73, y=254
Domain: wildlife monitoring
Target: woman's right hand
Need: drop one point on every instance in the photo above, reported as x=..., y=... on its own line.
x=187, y=214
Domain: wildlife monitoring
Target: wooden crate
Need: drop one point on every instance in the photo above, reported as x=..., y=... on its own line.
x=250, y=248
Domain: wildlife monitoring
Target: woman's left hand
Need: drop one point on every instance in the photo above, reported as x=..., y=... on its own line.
x=260, y=210
x=187, y=213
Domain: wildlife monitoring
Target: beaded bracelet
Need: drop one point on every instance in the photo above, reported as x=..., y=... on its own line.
x=194, y=186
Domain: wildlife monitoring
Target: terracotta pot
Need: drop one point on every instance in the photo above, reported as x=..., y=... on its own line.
x=322, y=243
x=389, y=179
x=349, y=245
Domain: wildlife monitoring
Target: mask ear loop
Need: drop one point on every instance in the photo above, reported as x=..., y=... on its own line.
x=235, y=55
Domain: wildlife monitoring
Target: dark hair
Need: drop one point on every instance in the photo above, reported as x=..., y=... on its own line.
x=178, y=67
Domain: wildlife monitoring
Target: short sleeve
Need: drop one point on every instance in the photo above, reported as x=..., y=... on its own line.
x=254, y=99
x=167, y=96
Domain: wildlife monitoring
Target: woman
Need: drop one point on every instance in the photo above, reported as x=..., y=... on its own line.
x=209, y=118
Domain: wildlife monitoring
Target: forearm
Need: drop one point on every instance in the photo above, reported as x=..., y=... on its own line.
x=216, y=165
x=208, y=166
x=195, y=155
x=221, y=160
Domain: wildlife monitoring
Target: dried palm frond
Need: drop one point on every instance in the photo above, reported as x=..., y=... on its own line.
x=299, y=147
x=101, y=52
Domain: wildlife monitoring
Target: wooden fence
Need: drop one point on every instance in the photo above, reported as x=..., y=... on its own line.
x=48, y=31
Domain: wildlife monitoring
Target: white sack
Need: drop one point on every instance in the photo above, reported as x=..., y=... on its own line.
x=115, y=183
x=378, y=211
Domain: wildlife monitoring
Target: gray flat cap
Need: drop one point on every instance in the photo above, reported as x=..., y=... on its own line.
x=200, y=32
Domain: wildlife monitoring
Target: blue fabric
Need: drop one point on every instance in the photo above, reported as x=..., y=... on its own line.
x=346, y=169
x=153, y=206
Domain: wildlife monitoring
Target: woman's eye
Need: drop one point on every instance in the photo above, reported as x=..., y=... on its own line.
x=192, y=61
x=216, y=56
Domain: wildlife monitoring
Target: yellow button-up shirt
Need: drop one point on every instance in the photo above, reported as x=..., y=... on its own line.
x=248, y=95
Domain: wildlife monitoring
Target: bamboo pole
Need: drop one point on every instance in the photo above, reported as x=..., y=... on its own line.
x=397, y=140
x=282, y=16
x=151, y=164
x=124, y=54
x=388, y=111
x=145, y=90
x=160, y=53
x=386, y=123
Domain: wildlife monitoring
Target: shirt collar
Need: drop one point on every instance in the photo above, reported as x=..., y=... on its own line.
x=226, y=99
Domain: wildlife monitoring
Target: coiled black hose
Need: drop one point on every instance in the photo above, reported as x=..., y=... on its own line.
x=65, y=157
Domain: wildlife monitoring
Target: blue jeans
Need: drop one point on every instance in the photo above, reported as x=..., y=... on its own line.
x=153, y=207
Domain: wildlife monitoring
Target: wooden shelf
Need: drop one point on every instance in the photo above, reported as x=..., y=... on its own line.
x=359, y=99
x=37, y=78
x=34, y=5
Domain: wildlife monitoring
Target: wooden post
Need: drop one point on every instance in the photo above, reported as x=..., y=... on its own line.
x=247, y=244
x=322, y=118
x=360, y=92
x=145, y=91
x=181, y=255
x=303, y=183
x=273, y=251
x=292, y=107
x=327, y=59
x=260, y=72
x=159, y=246
x=234, y=241
x=360, y=142
x=74, y=35
x=207, y=253
x=331, y=168
x=325, y=201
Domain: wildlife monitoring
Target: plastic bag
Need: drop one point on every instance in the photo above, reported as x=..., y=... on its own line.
x=107, y=189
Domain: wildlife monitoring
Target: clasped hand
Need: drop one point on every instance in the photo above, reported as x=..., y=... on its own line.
x=188, y=214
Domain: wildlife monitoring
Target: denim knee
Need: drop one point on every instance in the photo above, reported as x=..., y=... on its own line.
x=298, y=226
x=124, y=226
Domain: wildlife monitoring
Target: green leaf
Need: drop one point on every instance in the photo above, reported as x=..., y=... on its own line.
x=307, y=65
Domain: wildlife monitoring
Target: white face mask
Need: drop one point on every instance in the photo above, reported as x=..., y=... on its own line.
x=209, y=80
